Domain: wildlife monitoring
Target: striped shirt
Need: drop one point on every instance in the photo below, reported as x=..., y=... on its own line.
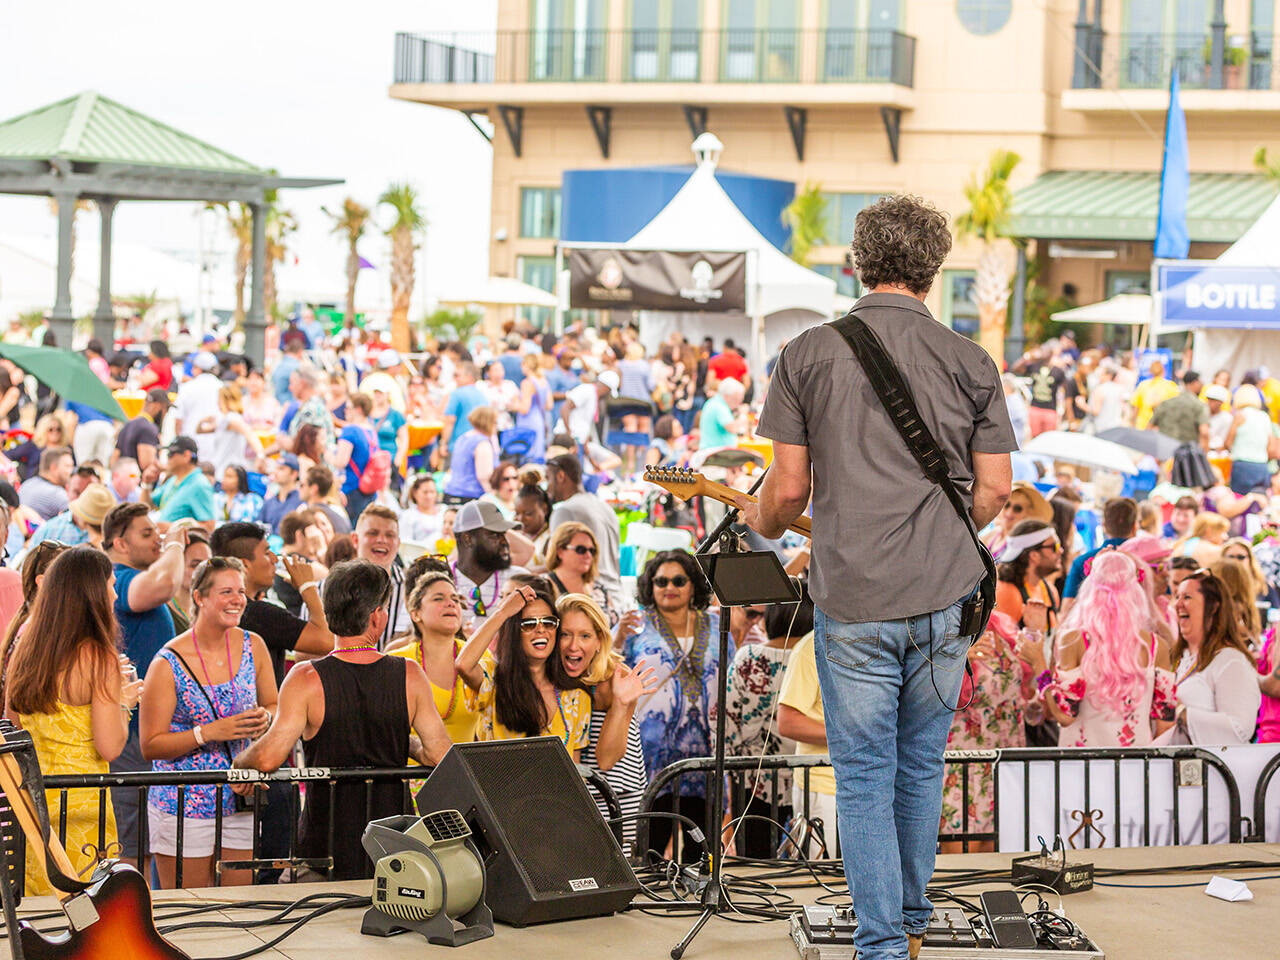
x=398, y=622
x=627, y=777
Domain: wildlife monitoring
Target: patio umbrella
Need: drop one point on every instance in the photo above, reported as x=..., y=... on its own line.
x=1082, y=450
x=1144, y=441
x=67, y=374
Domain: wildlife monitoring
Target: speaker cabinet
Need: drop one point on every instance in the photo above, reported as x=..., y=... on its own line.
x=548, y=853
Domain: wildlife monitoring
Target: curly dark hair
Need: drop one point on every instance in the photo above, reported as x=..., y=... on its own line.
x=701, y=588
x=900, y=240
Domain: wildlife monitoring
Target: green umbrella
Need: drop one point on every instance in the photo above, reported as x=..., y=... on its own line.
x=67, y=374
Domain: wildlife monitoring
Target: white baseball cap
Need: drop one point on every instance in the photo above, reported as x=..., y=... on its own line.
x=204, y=361
x=481, y=515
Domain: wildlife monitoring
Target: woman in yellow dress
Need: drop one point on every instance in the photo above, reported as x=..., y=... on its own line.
x=435, y=607
x=68, y=689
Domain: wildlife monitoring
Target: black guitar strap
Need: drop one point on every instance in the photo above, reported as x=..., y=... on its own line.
x=895, y=395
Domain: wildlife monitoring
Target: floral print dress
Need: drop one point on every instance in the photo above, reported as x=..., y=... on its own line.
x=1096, y=726
x=992, y=719
x=755, y=679
x=675, y=721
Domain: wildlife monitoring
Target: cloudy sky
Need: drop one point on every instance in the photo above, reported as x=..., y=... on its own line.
x=299, y=86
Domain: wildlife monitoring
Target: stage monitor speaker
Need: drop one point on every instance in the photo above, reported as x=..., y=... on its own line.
x=548, y=853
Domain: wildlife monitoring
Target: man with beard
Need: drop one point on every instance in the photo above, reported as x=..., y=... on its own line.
x=484, y=559
x=377, y=537
x=1032, y=555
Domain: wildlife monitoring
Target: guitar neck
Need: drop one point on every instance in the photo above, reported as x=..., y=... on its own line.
x=25, y=812
x=688, y=484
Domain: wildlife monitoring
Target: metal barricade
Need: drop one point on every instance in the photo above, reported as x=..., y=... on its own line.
x=963, y=763
x=297, y=780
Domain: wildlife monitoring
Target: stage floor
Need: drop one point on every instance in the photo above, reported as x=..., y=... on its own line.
x=1126, y=923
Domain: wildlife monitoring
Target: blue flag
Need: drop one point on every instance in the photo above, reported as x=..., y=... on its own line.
x=1172, y=240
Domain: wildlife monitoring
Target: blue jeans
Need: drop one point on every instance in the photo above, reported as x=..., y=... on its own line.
x=1247, y=476
x=886, y=733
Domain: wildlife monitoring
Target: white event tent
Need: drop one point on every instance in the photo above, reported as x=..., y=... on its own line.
x=1240, y=350
x=783, y=297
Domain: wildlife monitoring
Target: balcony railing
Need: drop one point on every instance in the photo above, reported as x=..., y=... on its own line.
x=1147, y=61
x=658, y=56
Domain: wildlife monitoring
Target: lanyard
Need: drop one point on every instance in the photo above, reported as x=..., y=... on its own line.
x=213, y=704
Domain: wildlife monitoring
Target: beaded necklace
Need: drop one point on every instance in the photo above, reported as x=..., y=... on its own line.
x=365, y=648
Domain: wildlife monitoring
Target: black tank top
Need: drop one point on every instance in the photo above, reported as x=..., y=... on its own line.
x=366, y=724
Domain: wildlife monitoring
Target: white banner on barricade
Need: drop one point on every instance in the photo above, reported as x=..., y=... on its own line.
x=1020, y=823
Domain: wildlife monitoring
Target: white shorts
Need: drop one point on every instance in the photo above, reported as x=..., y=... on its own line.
x=197, y=834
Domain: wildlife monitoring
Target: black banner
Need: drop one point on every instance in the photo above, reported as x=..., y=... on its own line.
x=657, y=280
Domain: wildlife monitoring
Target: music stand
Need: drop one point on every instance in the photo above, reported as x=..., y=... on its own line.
x=738, y=578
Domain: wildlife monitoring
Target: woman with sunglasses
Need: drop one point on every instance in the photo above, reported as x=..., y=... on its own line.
x=679, y=641
x=1025, y=503
x=527, y=692
x=71, y=693
x=572, y=565
x=209, y=692
x=1217, y=684
x=613, y=744
x=1240, y=550
x=50, y=431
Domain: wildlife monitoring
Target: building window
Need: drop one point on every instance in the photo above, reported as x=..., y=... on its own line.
x=540, y=212
x=538, y=272
x=761, y=41
x=858, y=39
x=567, y=41
x=983, y=17
x=960, y=301
x=1128, y=281
x=841, y=212
x=1262, y=28
x=847, y=283
x=665, y=40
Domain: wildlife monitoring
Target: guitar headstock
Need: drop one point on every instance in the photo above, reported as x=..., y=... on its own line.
x=679, y=481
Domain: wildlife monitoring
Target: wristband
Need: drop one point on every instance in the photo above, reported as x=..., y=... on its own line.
x=309, y=583
x=199, y=734
x=1043, y=679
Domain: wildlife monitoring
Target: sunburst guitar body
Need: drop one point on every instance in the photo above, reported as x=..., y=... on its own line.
x=110, y=916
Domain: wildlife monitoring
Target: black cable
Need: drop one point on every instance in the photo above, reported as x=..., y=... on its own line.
x=352, y=901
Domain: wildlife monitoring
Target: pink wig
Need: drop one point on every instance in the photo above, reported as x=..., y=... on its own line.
x=1111, y=610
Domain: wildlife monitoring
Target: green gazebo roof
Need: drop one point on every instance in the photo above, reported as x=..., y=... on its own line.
x=91, y=128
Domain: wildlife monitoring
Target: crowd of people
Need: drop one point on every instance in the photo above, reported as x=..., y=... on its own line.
x=357, y=558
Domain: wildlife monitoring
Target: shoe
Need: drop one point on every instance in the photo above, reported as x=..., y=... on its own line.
x=914, y=943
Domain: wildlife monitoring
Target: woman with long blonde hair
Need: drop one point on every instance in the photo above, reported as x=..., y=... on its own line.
x=613, y=746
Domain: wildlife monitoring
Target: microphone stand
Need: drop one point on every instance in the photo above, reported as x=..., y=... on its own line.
x=714, y=899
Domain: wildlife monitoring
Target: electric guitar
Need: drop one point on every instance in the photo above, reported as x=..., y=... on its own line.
x=110, y=916
x=687, y=484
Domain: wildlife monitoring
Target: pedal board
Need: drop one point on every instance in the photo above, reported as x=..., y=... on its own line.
x=826, y=933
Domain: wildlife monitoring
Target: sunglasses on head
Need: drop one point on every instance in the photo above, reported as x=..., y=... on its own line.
x=532, y=623
x=582, y=550
x=679, y=580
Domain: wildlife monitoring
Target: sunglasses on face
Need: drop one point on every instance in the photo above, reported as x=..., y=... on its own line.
x=679, y=580
x=582, y=550
x=1238, y=557
x=533, y=623
x=1013, y=507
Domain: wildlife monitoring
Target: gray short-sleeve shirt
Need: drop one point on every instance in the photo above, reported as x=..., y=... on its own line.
x=887, y=543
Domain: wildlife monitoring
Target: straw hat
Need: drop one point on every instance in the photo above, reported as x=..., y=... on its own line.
x=93, y=504
x=1040, y=509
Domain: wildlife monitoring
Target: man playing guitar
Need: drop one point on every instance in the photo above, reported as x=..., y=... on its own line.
x=892, y=560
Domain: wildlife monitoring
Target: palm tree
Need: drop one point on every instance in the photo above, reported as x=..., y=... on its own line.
x=806, y=217
x=402, y=198
x=280, y=223
x=240, y=225
x=990, y=205
x=1266, y=166
x=83, y=205
x=350, y=221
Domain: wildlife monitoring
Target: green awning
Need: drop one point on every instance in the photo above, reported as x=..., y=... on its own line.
x=1106, y=205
